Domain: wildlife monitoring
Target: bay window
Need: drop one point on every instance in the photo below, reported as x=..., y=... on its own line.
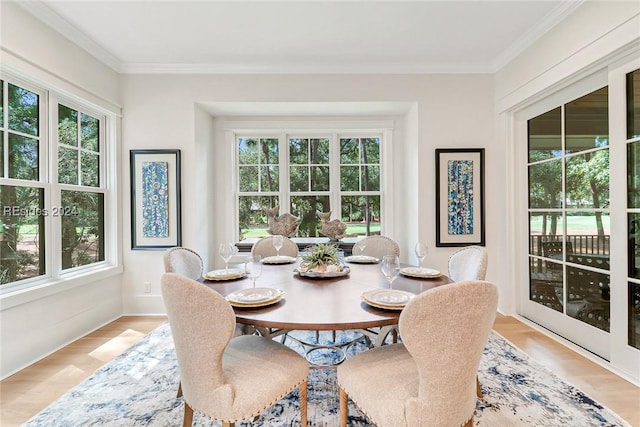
x=304, y=174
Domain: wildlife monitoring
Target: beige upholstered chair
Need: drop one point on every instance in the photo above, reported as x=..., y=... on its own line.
x=264, y=247
x=469, y=263
x=223, y=378
x=429, y=379
x=183, y=261
x=377, y=246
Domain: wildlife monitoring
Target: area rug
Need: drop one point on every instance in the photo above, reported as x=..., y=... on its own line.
x=138, y=388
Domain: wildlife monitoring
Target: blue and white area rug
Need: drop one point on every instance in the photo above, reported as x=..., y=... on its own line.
x=138, y=388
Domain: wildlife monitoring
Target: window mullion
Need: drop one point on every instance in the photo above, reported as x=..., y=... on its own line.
x=54, y=222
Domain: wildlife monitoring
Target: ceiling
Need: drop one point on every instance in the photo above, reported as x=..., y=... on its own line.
x=301, y=36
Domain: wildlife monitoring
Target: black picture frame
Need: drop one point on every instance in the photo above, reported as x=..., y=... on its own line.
x=155, y=199
x=460, y=207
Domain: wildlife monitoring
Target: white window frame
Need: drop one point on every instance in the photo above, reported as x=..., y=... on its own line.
x=283, y=130
x=55, y=279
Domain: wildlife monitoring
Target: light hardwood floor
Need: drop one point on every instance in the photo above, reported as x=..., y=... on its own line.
x=29, y=391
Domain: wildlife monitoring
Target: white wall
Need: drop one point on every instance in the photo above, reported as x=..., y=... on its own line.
x=34, y=324
x=163, y=111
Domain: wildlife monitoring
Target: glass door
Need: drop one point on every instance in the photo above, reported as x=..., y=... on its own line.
x=569, y=221
x=633, y=206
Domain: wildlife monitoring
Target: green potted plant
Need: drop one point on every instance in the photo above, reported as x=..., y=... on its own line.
x=321, y=258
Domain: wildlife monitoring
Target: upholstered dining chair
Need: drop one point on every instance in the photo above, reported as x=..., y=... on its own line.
x=430, y=378
x=264, y=247
x=184, y=261
x=224, y=378
x=377, y=246
x=468, y=263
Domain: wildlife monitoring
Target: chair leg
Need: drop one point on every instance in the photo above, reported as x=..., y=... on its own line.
x=188, y=416
x=179, y=394
x=343, y=408
x=478, y=389
x=303, y=403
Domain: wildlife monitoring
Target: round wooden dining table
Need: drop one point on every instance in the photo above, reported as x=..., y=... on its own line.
x=322, y=303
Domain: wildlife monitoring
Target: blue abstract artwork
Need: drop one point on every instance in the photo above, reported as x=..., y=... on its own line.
x=460, y=197
x=155, y=199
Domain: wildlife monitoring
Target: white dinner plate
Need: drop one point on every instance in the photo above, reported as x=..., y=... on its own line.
x=282, y=259
x=255, y=297
x=362, y=259
x=421, y=273
x=225, y=274
x=390, y=299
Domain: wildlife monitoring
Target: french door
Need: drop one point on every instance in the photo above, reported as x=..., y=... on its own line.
x=581, y=214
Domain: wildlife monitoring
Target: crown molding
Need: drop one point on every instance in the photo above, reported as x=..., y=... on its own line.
x=47, y=15
x=307, y=68
x=553, y=18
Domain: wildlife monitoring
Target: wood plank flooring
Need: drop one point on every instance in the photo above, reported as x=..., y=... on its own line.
x=27, y=392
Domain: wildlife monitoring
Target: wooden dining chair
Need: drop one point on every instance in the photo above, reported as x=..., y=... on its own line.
x=224, y=378
x=184, y=261
x=429, y=379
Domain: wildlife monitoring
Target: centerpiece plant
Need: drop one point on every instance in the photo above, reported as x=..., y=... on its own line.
x=321, y=258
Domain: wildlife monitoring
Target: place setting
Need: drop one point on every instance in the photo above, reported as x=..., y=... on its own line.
x=361, y=258
x=254, y=297
x=226, y=252
x=278, y=242
x=420, y=272
x=388, y=299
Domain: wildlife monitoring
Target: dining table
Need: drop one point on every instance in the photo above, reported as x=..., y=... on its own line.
x=324, y=303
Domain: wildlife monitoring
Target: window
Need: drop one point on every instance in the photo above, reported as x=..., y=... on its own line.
x=52, y=185
x=569, y=232
x=81, y=202
x=307, y=174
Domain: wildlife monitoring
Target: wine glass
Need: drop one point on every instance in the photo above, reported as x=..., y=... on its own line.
x=253, y=267
x=226, y=251
x=421, y=252
x=278, y=241
x=390, y=268
x=362, y=244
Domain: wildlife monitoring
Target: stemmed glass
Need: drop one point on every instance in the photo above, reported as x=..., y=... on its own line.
x=421, y=252
x=362, y=244
x=253, y=267
x=390, y=268
x=226, y=251
x=278, y=241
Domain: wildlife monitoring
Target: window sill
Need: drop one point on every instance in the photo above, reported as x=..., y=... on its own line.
x=50, y=286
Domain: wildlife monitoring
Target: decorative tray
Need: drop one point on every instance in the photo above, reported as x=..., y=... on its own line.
x=388, y=299
x=282, y=259
x=421, y=273
x=324, y=275
x=255, y=297
x=225, y=274
x=362, y=259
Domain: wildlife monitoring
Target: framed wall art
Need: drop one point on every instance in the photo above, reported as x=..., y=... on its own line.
x=460, y=197
x=155, y=199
